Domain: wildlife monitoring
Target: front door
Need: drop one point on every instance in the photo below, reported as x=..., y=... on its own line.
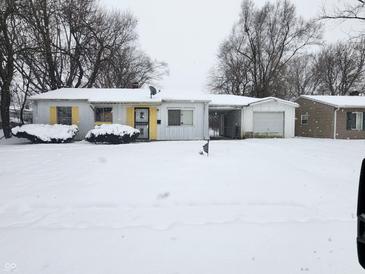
x=141, y=122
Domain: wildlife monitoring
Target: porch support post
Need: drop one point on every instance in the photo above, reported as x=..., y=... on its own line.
x=206, y=121
x=242, y=123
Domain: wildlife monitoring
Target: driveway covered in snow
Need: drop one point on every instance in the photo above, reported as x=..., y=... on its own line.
x=252, y=206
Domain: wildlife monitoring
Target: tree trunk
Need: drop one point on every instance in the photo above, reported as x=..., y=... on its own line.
x=5, y=109
x=6, y=75
x=24, y=103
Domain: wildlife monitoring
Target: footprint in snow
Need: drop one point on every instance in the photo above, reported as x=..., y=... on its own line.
x=162, y=196
x=102, y=160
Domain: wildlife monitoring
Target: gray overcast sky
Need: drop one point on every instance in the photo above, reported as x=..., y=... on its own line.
x=186, y=33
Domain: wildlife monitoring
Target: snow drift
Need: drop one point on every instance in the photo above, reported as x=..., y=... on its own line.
x=112, y=134
x=38, y=133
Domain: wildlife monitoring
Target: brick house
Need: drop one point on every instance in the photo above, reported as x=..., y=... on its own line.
x=336, y=117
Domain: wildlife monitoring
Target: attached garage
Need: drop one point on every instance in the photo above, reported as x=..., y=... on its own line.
x=268, y=124
x=251, y=117
x=269, y=118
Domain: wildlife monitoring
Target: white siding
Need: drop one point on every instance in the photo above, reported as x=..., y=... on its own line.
x=198, y=131
x=35, y=112
x=271, y=106
x=41, y=114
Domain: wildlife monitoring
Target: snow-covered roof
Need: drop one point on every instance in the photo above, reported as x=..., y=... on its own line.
x=100, y=95
x=338, y=101
x=231, y=100
x=270, y=99
x=97, y=95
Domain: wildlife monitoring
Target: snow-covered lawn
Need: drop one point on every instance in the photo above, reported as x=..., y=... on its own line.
x=252, y=206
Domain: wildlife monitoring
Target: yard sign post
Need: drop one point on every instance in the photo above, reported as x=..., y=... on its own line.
x=206, y=148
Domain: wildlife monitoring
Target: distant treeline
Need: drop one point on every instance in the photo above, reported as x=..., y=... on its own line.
x=272, y=51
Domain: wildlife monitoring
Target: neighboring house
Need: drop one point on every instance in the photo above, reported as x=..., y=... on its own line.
x=341, y=117
x=14, y=113
x=167, y=116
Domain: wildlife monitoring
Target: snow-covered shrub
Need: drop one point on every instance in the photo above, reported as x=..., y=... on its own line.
x=38, y=133
x=112, y=134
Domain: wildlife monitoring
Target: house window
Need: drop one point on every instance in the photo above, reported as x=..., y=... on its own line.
x=304, y=119
x=64, y=115
x=355, y=121
x=103, y=115
x=178, y=117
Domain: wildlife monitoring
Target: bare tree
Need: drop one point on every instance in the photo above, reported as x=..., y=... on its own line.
x=232, y=73
x=260, y=47
x=46, y=45
x=75, y=43
x=22, y=89
x=7, y=53
x=300, y=76
x=129, y=68
x=340, y=69
x=59, y=36
x=351, y=10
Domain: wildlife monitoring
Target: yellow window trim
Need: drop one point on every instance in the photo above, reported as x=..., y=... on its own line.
x=153, y=123
x=75, y=115
x=53, y=115
x=130, y=116
x=103, y=123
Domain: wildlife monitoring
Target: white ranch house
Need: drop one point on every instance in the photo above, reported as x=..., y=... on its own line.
x=167, y=115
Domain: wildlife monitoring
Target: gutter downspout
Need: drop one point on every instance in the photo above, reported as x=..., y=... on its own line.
x=242, y=123
x=335, y=123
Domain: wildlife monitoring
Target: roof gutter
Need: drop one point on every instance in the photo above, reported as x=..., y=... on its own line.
x=56, y=99
x=124, y=103
x=185, y=101
x=226, y=107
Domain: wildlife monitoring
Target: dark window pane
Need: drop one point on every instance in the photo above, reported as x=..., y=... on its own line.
x=98, y=114
x=304, y=119
x=64, y=115
x=104, y=115
x=351, y=120
x=108, y=115
x=174, y=117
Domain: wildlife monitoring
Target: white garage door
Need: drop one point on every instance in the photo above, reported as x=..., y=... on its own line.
x=269, y=124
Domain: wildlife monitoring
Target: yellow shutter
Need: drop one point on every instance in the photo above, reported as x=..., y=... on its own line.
x=75, y=116
x=153, y=123
x=130, y=116
x=53, y=115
